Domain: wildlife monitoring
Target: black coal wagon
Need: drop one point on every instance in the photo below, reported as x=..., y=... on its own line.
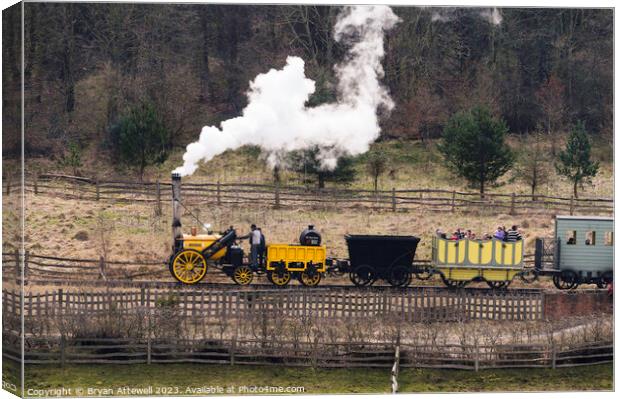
x=374, y=257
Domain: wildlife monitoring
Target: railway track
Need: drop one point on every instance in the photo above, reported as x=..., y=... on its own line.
x=217, y=286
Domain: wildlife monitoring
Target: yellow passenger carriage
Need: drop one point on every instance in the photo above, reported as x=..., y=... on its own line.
x=459, y=262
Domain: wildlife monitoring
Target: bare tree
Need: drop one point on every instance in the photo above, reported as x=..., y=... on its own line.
x=550, y=96
x=532, y=166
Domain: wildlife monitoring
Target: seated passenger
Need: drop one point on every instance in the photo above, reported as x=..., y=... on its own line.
x=460, y=233
x=513, y=235
x=499, y=233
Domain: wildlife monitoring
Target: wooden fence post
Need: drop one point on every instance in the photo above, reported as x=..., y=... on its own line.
x=553, y=356
x=18, y=272
x=476, y=358
x=572, y=205
x=8, y=184
x=393, y=199
x=395, y=368
x=453, y=201
x=102, y=267
x=60, y=298
x=25, y=268
x=512, y=204
x=219, y=193
x=97, y=189
x=62, y=350
x=233, y=344
x=36, y=183
x=142, y=297
x=148, y=348
x=158, y=198
x=277, y=195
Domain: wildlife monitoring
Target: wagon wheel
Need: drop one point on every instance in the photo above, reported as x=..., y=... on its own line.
x=363, y=275
x=188, y=266
x=280, y=278
x=310, y=279
x=243, y=275
x=608, y=277
x=565, y=280
x=453, y=283
x=498, y=284
x=529, y=276
x=399, y=276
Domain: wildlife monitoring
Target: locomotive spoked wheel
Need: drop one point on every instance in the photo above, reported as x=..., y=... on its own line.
x=243, y=275
x=188, y=266
x=279, y=278
x=497, y=285
x=310, y=279
x=399, y=276
x=566, y=280
x=363, y=275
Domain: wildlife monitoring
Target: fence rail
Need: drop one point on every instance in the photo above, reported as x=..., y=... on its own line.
x=73, y=187
x=62, y=350
x=413, y=304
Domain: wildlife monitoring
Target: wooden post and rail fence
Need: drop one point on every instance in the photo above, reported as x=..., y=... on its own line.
x=63, y=350
x=279, y=196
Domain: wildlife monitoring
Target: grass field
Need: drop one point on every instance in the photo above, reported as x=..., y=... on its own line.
x=179, y=377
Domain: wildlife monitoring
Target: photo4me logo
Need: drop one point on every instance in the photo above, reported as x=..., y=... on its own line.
x=254, y=389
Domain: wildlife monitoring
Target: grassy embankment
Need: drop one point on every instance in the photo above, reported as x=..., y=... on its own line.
x=599, y=377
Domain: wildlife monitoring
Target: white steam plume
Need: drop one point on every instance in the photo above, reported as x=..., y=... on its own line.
x=493, y=16
x=276, y=118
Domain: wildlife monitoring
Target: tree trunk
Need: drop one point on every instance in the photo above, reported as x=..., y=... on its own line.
x=575, y=188
x=482, y=189
x=376, y=182
x=276, y=174
x=321, y=181
x=533, y=191
x=205, y=73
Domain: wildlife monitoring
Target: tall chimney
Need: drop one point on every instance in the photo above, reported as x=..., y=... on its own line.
x=177, y=231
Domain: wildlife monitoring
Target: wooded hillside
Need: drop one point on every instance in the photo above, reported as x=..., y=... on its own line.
x=87, y=64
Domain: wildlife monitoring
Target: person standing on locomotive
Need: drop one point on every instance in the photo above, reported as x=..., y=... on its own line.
x=254, y=237
x=262, y=247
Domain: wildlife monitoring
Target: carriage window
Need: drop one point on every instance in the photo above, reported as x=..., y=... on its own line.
x=571, y=237
x=609, y=238
x=590, y=237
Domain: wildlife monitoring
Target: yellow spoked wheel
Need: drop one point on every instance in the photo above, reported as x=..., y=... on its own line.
x=188, y=266
x=310, y=280
x=243, y=275
x=280, y=279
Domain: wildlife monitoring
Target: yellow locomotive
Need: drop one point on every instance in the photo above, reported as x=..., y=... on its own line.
x=195, y=253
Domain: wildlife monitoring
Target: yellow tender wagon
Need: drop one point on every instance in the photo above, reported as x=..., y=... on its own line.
x=284, y=261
